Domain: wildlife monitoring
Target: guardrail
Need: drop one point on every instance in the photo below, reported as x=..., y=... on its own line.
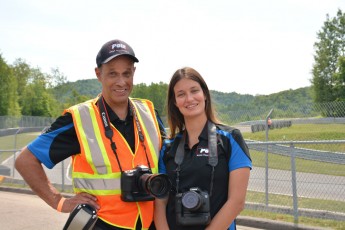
x=261, y=126
x=286, y=148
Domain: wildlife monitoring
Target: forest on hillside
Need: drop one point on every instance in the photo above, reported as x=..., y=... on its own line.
x=231, y=107
x=27, y=91
x=224, y=102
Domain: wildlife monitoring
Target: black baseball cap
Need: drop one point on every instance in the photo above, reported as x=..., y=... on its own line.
x=113, y=49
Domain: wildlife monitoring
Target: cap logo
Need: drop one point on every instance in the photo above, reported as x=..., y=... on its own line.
x=118, y=45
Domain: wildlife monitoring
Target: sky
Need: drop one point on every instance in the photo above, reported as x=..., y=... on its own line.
x=256, y=47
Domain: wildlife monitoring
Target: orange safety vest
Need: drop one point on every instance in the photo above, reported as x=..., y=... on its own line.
x=96, y=171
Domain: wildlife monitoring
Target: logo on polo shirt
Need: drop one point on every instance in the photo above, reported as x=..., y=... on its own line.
x=202, y=152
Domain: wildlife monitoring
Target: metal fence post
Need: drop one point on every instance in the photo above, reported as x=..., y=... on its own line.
x=294, y=184
x=14, y=154
x=266, y=158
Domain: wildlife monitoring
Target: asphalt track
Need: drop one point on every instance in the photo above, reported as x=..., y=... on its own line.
x=24, y=211
x=20, y=211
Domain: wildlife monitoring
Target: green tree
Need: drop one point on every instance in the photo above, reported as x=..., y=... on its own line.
x=339, y=78
x=75, y=98
x=21, y=71
x=8, y=88
x=56, y=78
x=140, y=91
x=328, y=80
x=156, y=93
x=35, y=99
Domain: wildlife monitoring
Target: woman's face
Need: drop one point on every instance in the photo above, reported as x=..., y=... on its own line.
x=189, y=98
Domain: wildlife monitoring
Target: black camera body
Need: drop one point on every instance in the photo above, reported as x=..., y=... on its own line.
x=139, y=184
x=193, y=207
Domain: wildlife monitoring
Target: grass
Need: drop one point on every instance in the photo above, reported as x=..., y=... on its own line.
x=286, y=201
x=302, y=132
x=305, y=203
x=333, y=224
x=283, y=163
x=15, y=142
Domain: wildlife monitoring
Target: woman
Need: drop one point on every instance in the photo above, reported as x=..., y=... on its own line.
x=207, y=162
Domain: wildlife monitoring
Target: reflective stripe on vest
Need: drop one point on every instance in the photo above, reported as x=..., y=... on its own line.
x=96, y=186
x=150, y=131
x=90, y=133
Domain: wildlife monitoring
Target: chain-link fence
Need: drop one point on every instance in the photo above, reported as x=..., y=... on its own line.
x=298, y=161
x=307, y=111
x=7, y=122
x=295, y=177
x=13, y=139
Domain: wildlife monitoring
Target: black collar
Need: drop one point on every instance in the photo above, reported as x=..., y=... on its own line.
x=113, y=116
x=203, y=137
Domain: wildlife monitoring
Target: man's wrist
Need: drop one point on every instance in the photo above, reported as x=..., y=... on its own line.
x=60, y=204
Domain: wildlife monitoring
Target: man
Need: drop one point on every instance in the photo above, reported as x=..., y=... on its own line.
x=100, y=152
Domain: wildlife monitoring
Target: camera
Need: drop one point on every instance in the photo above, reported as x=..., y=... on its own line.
x=83, y=217
x=139, y=184
x=193, y=207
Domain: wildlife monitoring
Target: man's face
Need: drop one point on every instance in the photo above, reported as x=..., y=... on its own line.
x=116, y=77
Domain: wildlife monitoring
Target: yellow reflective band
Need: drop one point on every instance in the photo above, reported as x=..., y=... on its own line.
x=97, y=184
x=149, y=129
x=94, y=149
x=100, y=142
x=98, y=192
x=83, y=136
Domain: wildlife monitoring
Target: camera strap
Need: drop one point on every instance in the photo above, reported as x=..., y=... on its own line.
x=213, y=153
x=140, y=132
x=109, y=132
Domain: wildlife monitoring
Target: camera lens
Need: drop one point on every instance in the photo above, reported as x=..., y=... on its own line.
x=157, y=185
x=191, y=200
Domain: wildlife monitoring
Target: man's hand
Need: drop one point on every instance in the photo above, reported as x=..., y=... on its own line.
x=81, y=198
